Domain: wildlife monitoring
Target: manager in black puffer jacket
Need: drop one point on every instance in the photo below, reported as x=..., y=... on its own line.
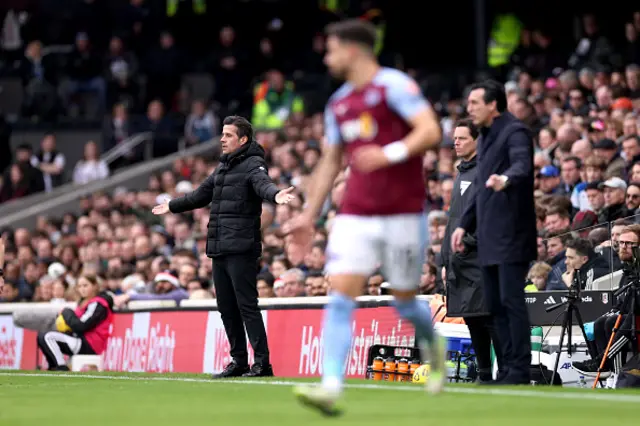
x=236, y=190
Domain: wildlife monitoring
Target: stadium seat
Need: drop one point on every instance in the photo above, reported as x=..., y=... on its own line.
x=11, y=96
x=198, y=86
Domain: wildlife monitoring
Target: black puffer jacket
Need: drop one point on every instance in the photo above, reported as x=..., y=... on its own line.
x=465, y=291
x=235, y=190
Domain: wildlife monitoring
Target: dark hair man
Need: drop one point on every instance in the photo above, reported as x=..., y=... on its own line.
x=462, y=274
x=502, y=213
x=583, y=264
x=236, y=190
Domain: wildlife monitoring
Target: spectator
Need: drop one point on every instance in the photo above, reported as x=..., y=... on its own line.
x=10, y=292
x=201, y=124
x=39, y=82
x=165, y=287
x=17, y=186
x=226, y=64
x=122, y=68
x=314, y=284
x=538, y=275
x=294, y=283
x=549, y=180
x=165, y=140
x=33, y=175
x=265, y=285
x=632, y=198
x=556, y=245
x=85, y=73
x=373, y=284
x=90, y=168
x=614, y=193
x=608, y=151
x=164, y=67
x=50, y=162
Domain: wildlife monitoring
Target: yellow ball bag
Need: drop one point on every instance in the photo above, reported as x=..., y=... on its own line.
x=61, y=325
x=421, y=375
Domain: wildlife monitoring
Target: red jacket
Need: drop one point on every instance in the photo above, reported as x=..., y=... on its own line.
x=92, y=321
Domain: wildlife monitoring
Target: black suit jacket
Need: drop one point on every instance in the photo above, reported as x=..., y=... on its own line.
x=504, y=221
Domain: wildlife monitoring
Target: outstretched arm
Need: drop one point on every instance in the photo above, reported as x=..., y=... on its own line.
x=328, y=167
x=197, y=199
x=262, y=183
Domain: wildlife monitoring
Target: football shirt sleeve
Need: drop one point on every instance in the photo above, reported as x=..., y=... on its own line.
x=331, y=128
x=404, y=95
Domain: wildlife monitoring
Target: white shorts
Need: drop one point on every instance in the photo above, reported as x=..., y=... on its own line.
x=396, y=244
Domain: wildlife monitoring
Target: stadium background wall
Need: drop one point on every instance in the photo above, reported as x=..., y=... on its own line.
x=192, y=339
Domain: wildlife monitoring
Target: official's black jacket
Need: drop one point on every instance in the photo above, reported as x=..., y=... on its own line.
x=465, y=293
x=504, y=221
x=235, y=190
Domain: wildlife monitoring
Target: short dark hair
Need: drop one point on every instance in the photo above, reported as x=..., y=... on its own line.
x=634, y=137
x=493, y=91
x=354, y=31
x=582, y=246
x=267, y=277
x=322, y=245
x=577, y=161
x=315, y=274
x=559, y=210
x=242, y=124
x=473, y=129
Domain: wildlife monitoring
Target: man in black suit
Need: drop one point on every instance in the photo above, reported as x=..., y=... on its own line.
x=502, y=214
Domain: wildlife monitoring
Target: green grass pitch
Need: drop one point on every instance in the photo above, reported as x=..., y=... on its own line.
x=126, y=399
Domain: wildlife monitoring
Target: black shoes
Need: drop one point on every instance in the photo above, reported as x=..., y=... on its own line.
x=236, y=370
x=590, y=368
x=259, y=370
x=59, y=368
x=232, y=370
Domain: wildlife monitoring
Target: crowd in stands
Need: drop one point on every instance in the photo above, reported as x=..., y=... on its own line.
x=583, y=113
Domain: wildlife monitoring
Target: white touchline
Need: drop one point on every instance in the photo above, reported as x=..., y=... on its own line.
x=594, y=396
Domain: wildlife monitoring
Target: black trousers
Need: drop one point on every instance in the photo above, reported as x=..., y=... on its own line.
x=603, y=329
x=54, y=345
x=482, y=332
x=234, y=278
x=504, y=287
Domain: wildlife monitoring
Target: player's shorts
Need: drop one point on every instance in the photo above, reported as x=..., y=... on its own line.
x=360, y=245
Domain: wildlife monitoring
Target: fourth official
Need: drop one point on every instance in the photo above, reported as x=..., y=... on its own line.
x=462, y=274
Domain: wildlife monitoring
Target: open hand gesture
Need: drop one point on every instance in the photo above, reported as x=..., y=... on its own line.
x=161, y=209
x=285, y=196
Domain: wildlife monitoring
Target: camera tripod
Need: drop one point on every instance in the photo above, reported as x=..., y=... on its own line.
x=571, y=309
x=628, y=306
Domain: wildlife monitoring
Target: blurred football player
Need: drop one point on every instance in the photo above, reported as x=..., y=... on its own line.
x=381, y=120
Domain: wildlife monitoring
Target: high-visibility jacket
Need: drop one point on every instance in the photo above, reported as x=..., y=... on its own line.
x=504, y=39
x=334, y=6
x=199, y=7
x=271, y=109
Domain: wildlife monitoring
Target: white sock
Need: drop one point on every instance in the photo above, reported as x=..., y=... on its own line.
x=332, y=384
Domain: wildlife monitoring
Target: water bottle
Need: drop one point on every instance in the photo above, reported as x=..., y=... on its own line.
x=582, y=382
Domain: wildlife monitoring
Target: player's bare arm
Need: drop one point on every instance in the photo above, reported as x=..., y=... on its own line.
x=322, y=179
x=426, y=133
x=321, y=183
